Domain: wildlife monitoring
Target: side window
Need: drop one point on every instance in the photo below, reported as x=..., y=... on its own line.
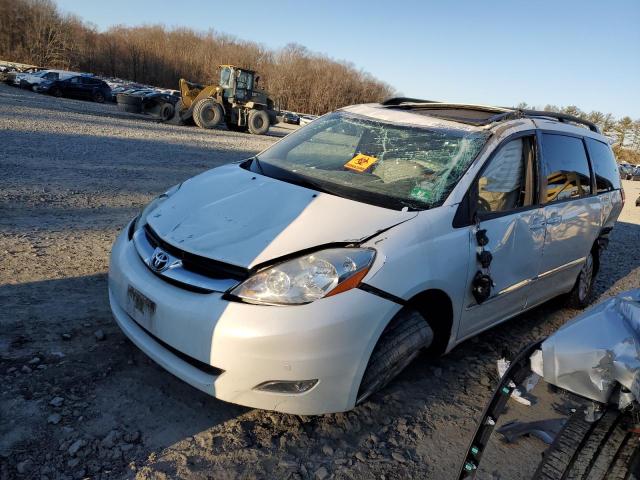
x=566, y=168
x=604, y=166
x=75, y=80
x=508, y=182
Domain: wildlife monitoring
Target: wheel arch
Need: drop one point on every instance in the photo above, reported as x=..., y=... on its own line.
x=436, y=307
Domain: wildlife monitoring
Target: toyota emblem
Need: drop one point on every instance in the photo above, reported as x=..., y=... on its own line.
x=159, y=260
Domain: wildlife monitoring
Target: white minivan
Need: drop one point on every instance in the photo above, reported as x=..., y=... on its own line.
x=305, y=278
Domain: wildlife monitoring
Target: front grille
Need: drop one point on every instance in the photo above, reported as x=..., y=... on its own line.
x=196, y=263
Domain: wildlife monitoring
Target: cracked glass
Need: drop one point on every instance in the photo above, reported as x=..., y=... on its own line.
x=379, y=162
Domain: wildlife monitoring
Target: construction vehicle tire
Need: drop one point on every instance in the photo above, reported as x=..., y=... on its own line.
x=207, y=113
x=258, y=122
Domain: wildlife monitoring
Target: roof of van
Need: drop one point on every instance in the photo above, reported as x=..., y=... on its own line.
x=474, y=117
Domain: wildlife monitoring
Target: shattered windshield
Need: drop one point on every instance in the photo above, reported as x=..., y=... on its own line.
x=372, y=161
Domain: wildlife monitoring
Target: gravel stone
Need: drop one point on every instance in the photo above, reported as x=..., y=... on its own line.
x=99, y=334
x=76, y=446
x=25, y=466
x=321, y=473
x=54, y=418
x=56, y=401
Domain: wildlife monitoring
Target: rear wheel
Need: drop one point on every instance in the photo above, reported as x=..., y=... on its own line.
x=400, y=342
x=582, y=293
x=207, y=113
x=258, y=122
x=98, y=97
x=601, y=450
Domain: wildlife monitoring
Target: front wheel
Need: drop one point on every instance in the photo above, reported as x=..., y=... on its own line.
x=98, y=97
x=581, y=295
x=258, y=122
x=207, y=113
x=400, y=342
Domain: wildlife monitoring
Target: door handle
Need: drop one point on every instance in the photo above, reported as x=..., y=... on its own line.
x=554, y=220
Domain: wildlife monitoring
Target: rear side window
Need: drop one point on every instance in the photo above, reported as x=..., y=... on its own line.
x=566, y=168
x=604, y=166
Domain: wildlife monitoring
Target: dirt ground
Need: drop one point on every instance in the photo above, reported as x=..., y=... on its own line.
x=78, y=400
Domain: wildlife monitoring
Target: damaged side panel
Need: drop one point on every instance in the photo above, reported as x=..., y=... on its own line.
x=596, y=351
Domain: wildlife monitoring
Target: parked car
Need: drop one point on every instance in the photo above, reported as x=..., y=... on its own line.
x=638, y=201
x=305, y=278
x=78, y=86
x=290, y=117
x=13, y=75
x=32, y=80
x=626, y=170
x=306, y=119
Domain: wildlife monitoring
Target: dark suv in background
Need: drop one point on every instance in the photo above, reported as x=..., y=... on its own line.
x=79, y=86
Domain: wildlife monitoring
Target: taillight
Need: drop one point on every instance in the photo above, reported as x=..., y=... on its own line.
x=622, y=193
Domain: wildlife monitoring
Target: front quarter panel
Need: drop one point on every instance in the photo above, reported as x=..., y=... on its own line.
x=424, y=253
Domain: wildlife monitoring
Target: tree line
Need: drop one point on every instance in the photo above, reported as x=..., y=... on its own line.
x=35, y=32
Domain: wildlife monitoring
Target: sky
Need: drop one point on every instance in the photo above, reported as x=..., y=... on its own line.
x=560, y=52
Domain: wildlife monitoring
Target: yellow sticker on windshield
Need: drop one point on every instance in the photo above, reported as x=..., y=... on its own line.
x=360, y=162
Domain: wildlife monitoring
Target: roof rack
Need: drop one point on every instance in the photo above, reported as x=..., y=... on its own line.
x=500, y=113
x=401, y=100
x=561, y=117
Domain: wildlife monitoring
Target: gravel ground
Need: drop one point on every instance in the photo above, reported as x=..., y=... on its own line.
x=79, y=400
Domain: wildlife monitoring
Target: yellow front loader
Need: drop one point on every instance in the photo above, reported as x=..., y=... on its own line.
x=235, y=100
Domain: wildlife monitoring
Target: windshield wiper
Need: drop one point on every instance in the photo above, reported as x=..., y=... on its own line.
x=303, y=181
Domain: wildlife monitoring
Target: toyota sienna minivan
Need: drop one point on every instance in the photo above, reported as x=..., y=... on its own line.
x=305, y=278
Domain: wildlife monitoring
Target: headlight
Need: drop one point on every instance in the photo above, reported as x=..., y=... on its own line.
x=305, y=279
x=153, y=204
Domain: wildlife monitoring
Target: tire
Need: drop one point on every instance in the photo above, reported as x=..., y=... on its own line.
x=126, y=99
x=98, y=97
x=258, y=122
x=602, y=450
x=167, y=111
x=56, y=92
x=400, y=342
x=582, y=293
x=207, y=113
x=129, y=103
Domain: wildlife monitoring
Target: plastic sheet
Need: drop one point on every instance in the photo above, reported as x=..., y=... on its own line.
x=596, y=351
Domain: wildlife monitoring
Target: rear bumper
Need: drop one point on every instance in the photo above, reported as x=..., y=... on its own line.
x=330, y=340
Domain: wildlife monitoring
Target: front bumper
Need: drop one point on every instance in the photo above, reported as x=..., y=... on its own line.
x=330, y=340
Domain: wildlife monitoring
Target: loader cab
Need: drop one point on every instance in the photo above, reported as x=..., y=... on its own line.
x=236, y=83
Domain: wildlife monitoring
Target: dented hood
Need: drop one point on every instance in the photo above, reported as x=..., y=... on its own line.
x=236, y=216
